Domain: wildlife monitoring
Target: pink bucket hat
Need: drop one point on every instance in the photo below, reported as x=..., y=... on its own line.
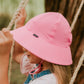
x=47, y=36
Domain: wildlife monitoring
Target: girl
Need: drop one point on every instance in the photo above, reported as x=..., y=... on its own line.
x=47, y=39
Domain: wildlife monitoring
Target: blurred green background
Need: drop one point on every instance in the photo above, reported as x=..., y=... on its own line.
x=34, y=7
x=7, y=9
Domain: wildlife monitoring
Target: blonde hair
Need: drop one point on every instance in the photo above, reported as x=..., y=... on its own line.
x=62, y=73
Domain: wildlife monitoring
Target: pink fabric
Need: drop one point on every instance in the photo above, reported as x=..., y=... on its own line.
x=25, y=66
x=48, y=36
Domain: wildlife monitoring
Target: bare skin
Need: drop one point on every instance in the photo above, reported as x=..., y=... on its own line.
x=5, y=47
x=6, y=40
x=18, y=50
x=36, y=60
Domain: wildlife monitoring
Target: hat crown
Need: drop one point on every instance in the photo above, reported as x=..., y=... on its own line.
x=52, y=27
x=47, y=36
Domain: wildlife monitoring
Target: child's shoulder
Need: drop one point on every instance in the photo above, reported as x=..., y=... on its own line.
x=46, y=79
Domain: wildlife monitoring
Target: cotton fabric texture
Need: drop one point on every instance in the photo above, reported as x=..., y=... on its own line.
x=48, y=36
x=47, y=79
x=44, y=77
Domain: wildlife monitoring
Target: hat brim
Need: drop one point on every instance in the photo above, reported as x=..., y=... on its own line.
x=42, y=49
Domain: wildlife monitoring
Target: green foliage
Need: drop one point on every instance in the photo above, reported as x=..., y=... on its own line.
x=4, y=20
x=17, y=77
x=33, y=8
x=7, y=9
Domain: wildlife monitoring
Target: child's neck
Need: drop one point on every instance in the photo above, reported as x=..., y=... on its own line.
x=45, y=66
